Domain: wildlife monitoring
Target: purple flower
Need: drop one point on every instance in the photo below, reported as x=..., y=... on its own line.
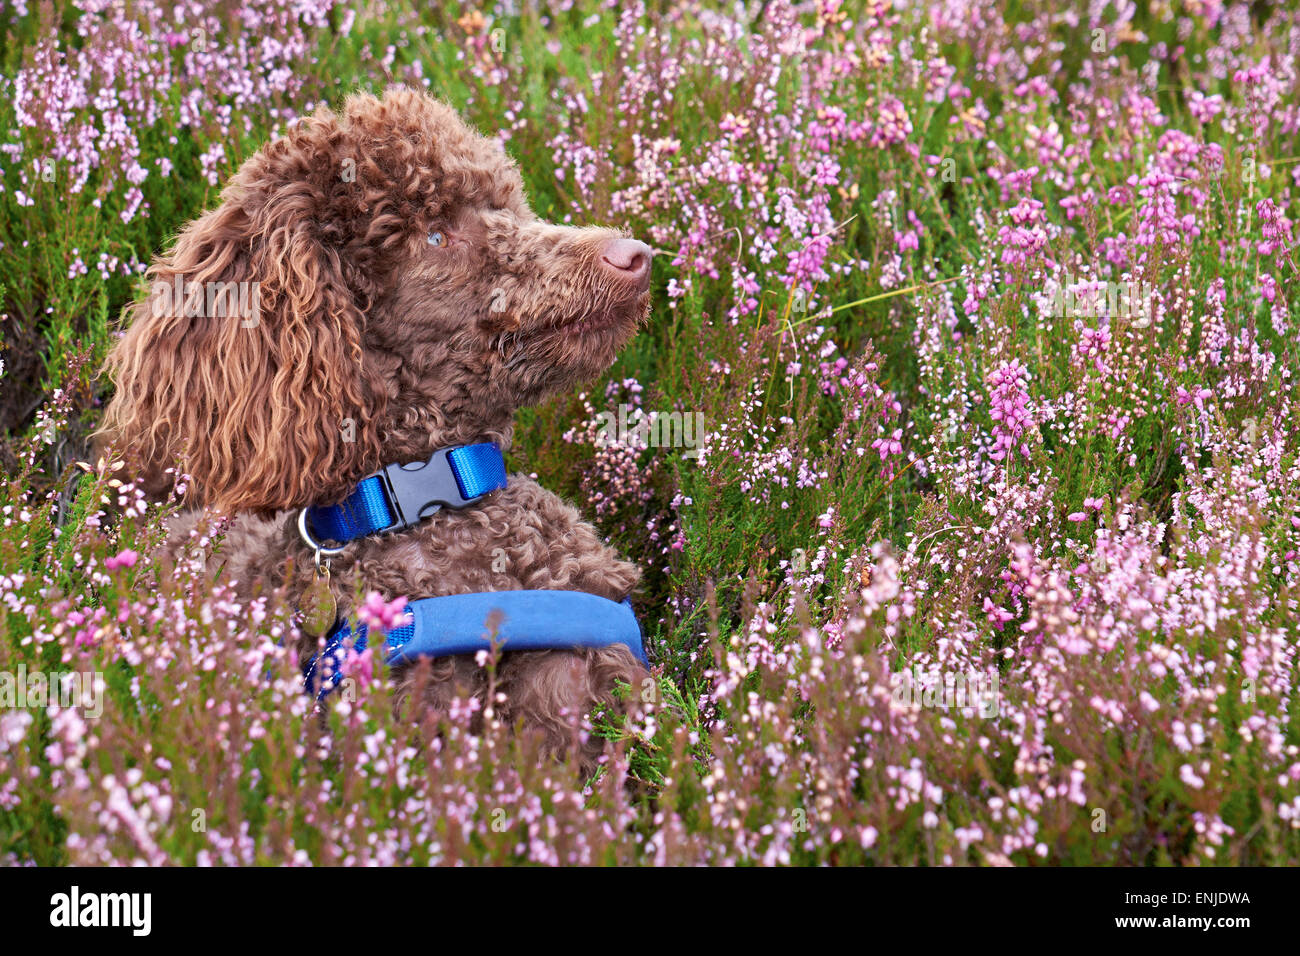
x=889, y=444
x=125, y=559
x=382, y=615
x=1009, y=406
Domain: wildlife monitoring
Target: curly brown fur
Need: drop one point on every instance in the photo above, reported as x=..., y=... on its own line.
x=371, y=345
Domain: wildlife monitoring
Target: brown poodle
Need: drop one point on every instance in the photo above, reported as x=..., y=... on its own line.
x=406, y=300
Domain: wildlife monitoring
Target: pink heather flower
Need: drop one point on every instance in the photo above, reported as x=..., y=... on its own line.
x=379, y=614
x=889, y=445
x=125, y=559
x=1204, y=108
x=1074, y=642
x=1092, y=347
x=1074, y=205
x=463, y=708
x=1275, y=227
x=360, y=666
x=1077, y=516
x=1188, y=776
x=892, y=124
x=13, y=727
x=1197, y=398
x=1119, y=196
x=1016, y=181
x=1009, y=406
x=1027, y=212
x=1021, y=243
x=736, y=126
x=998, y=616
x=1268, y=287
x=1048, y=141
x=88, y=635
x=1256, y=74
x=1117, y=423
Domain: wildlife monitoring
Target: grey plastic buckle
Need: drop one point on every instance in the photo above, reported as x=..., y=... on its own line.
x=421, y=489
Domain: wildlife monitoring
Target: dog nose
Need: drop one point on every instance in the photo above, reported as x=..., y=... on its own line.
x=629, y=260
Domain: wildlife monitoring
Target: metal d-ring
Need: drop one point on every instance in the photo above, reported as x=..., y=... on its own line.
x=312, y=543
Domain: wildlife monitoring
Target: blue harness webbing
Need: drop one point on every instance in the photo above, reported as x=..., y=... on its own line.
x=400, y=496
x=458, y=624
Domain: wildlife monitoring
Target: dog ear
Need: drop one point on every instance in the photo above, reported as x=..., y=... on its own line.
x=244, y=364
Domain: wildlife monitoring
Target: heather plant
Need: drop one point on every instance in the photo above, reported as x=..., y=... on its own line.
x=976, y=562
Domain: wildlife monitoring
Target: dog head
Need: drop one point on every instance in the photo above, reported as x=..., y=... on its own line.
x=373, y=286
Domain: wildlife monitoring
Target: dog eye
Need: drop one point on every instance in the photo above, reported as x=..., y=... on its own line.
x=437, y=239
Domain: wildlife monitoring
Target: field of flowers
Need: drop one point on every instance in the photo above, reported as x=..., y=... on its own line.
x=989, y=547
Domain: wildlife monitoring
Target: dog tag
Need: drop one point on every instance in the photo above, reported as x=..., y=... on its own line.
x=319, y=606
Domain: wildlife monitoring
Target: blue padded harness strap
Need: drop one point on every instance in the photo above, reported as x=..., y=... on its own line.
x=458, y=624
x=399, y=496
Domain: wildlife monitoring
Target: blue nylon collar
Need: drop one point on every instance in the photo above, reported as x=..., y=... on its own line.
x=400, y=496
x=458, y=624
